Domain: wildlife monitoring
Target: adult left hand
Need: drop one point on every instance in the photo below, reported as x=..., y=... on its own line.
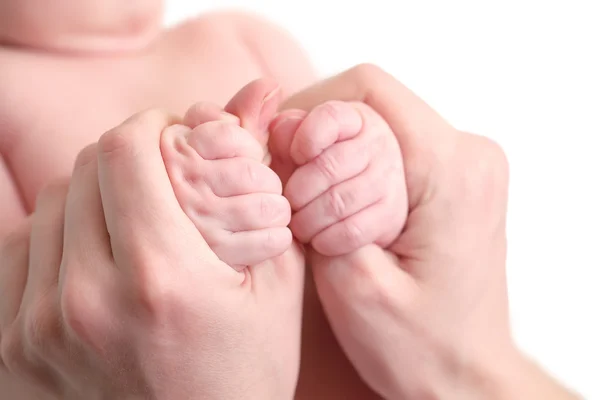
x=113, y=293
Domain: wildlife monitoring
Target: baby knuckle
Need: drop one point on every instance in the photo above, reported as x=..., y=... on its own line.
x=276, y=241
x=352, y=234
x=337, y=204
x=333, y=111
x=328, y=166
x=269, y=209
x=250, y=173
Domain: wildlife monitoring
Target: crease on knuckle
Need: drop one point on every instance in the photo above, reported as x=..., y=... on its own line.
x=328, y=166
x=269, y=209
x=331, y=111
x=352, y=234
x=250, y=174
x=337, y=204
x=273, y=245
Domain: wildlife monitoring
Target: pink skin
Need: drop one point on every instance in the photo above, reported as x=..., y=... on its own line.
x=344, y=176
x=221, y=181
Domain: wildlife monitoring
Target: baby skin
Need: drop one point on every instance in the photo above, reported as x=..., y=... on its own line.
x=341, y=165
x=221, y=177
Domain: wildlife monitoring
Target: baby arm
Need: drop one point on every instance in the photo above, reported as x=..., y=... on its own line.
x=344, y=176
x=222, y=182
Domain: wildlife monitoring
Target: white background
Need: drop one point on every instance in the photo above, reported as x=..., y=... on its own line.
x=525, y=73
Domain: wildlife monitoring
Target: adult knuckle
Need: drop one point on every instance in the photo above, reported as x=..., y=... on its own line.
x=366, y=74
x=122, y=138
x=156, y=294
x=369, y=288
x=41, y=327
x=488, y=164
x=77, y=312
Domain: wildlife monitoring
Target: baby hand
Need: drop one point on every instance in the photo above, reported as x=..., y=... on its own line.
x=344, y=176
x=221, y=182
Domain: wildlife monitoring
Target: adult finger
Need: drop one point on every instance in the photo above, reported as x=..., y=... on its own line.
x=141, y=210
x=46, y=247
x=86, y=243
x=255, y=105
x=203, y=112
x=14, y=256
x=281, y=134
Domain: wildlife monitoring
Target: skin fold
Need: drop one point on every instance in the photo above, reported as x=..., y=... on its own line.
x=111, y=291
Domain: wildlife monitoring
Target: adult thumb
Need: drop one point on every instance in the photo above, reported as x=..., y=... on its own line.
x=357, y=282
x=255, y=105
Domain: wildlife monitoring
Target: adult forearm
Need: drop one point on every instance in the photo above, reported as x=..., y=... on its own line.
x=508, y=378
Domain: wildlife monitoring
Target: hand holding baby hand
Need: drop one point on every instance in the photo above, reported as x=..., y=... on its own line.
x=221, y=181
x=347, y=183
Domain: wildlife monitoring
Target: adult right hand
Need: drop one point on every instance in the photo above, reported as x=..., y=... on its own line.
x=428, y=316
x=112, y=293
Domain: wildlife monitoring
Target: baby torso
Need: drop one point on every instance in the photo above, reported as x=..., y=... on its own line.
x=53, y=105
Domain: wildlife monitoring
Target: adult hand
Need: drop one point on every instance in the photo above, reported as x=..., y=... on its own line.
x=428, y=317
x=115, y=294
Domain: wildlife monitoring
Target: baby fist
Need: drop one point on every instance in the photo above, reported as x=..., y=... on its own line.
x=344, y=176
